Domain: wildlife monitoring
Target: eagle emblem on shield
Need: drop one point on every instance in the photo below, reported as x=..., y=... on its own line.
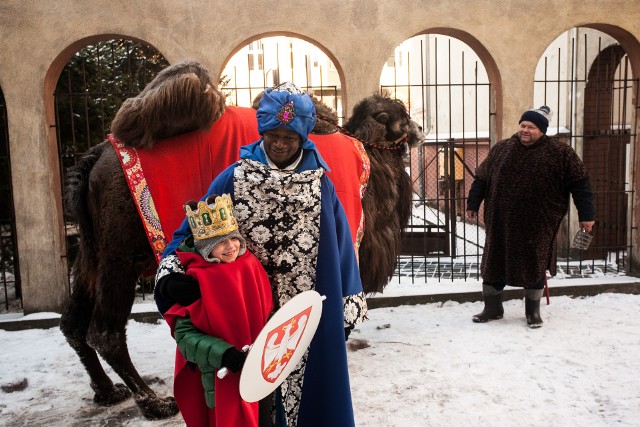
x=281, y=344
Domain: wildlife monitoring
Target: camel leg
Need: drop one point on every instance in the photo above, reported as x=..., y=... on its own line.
x=115, y=291
x=74, y=324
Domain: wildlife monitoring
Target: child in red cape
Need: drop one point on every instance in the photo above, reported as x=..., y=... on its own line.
x=210, y=333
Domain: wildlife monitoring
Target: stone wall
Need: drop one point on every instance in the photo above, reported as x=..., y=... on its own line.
x=37, y=38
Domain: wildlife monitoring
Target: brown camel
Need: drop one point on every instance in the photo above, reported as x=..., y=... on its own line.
x=386, y=129
x=113, y=248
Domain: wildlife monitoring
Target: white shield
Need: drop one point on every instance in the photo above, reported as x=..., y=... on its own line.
x=280, y=345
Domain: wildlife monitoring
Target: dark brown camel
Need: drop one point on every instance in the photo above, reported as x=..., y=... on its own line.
x=114, y=250
x=386, y=129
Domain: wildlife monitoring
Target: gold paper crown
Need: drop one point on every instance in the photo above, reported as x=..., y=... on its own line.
x=212, y=219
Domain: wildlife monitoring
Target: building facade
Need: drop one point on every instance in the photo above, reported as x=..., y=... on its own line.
x=38, y=38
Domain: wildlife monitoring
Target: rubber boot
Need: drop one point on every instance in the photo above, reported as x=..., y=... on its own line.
x=532, y=307
x=493, y=309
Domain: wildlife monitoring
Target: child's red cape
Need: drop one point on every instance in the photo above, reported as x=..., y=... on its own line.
x=235, y=306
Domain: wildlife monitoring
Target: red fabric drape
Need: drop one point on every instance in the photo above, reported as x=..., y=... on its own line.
x=181, y=168
x=349, y=172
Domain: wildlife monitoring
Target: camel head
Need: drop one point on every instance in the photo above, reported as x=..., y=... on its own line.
x=382, y=122
x=180, y=99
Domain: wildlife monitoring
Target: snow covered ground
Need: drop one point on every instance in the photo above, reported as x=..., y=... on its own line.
x=425, y=365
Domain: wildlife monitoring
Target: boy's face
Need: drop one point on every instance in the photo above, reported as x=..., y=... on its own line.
x=227, y=250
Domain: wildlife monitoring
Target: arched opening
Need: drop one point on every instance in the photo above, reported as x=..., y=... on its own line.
x=586, y=77
x=448, y=82
x=11, y=298
x=268, y=60
x=606, y=144
x=88, y=83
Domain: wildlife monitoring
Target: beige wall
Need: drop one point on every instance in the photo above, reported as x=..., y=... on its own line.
x=37, y=37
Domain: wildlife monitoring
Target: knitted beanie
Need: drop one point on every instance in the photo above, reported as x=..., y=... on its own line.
x=205, y=246
x=539, y=117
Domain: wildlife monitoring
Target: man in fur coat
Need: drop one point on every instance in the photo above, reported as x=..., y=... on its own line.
x=525, y=183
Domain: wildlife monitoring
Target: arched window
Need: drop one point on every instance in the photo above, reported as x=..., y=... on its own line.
x=585, y=77
x=89, y=92
x=268, y=61
x=446, y=88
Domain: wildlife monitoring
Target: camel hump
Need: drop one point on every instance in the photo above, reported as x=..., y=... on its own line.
x=180, y=99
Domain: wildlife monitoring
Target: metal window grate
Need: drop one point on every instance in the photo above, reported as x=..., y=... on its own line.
x=447, y=91
x=11, y=298
x=586, y=79
x=282, y=59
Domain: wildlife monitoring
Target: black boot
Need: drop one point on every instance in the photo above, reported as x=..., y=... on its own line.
x=532, y=307
x=493, y=309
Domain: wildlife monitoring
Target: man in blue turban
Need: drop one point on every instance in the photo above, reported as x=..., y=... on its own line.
x=293, y=222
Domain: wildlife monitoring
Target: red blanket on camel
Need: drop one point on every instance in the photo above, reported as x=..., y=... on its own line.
x=162, y=179
x=179, y=169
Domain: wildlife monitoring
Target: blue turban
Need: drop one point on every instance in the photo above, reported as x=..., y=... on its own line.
x=288, y=107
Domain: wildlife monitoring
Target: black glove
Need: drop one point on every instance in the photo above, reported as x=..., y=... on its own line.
x=233, y=359
x=180, y=288
x=347, y=331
